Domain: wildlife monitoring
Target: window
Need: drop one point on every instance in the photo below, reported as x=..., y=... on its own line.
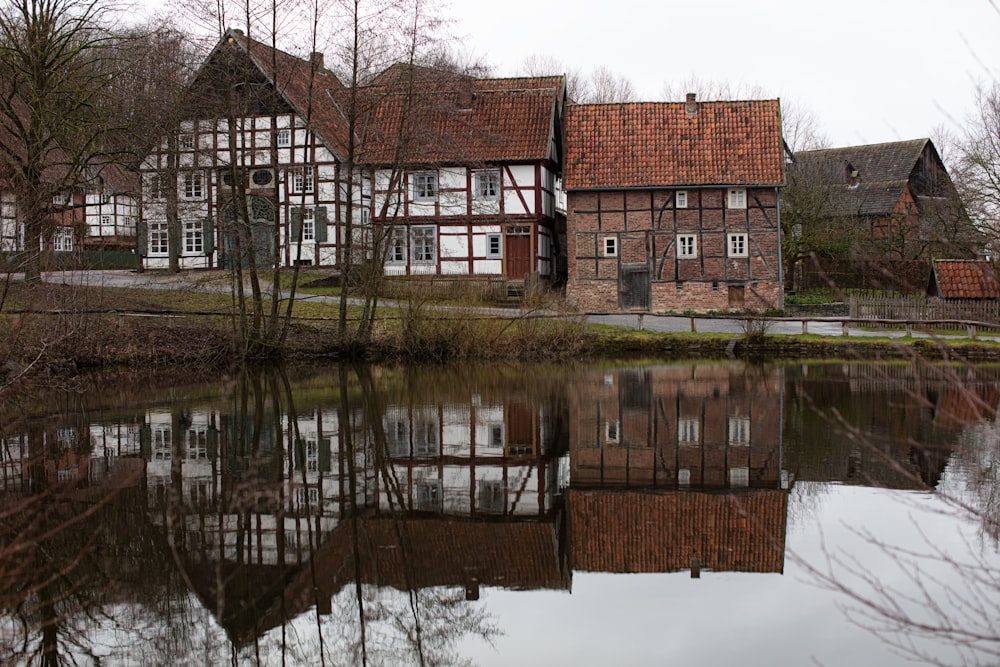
x=62, y=239
x=425, y=186
x=186, y=142
x=739, y=477
x=610, y=244
x=302, y=180
x=397, y=247
x=193, y=185
x=612, y=431
x=430, y=495
x=284, y=138
x=739, y=431
x=496, y=435
x=683, y=477
x=687, y=245
x=156, y=187
x=422, y=245
x=105, y=220
x=488, y=184
x=737, y=198
x=193, y=241
x=491, y=495
x=681, y=199
x=128, y=222
x=308, y=224
x=687, y=431
x=494, y=246
x=158, y=239
x=737, y=245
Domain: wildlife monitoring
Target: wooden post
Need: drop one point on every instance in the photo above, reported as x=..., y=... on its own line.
x=909, y=329
x=640, y=321
x=845, y=328
x=805, y=327
x=694, y=329
x=972, y=331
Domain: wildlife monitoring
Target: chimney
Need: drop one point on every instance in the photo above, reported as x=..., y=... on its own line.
x=691, y=107
x=316, y=58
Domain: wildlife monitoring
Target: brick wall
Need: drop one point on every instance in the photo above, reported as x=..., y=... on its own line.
x=640, y=228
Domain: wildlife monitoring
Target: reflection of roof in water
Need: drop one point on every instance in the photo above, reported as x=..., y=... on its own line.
x=662, y=531
x=405, y=554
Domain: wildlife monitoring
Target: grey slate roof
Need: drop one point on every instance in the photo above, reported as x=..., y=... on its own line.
x=883, y=172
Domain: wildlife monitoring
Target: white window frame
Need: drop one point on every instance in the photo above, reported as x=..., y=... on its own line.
x=739, y=477
x=487, y=184
x=62, y=239
x=303, y=181
x=159, y=239
x=284, y=138
x=681, y=199
x=494, y=246
x=398, y=247
x=421, y=239
x=194, y=240
x=425, y=186
x=737, y=198
x=186, y=141
x=157, y=190
x=308, y=224
x=737, y=245
x=683, y=477
x=687, y=246
x=194, y=185
x=739, y=431
x=609, y=246
x=612, y=431
x=688, y=431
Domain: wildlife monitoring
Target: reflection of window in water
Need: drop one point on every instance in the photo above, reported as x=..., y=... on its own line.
x=197, y=443
x=739, y=431
x=425, y=434
x=306, y=498
x=161, y=442
x=397, y=433
x=66, y=437
x=192, y=541
x=491, y=495
x=684, y=477
x=312, y=455
x=612, y=431
x=496, y=435
x=687, y=431
x=520, y=450
x=63, y=474
x=429, y=495
x=739, y=477
x=200, y=492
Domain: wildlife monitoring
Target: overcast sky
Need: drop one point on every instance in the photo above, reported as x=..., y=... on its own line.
x=868, y=70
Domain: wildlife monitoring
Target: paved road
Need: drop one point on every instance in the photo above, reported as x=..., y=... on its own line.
x=220, y=282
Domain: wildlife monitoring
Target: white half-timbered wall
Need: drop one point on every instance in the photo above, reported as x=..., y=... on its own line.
x=463, y=223
x=203, y=150
x=112, y=217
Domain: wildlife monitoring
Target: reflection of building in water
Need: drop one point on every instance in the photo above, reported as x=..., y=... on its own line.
x=677, y=467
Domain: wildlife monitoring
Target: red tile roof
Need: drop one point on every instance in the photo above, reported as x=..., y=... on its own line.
x=641, y=531
x=452, y=119
x=660, y=144
x=965, y=279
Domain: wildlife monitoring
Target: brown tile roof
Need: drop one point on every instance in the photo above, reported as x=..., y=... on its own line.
x=883, y=172
x=291, y=77
x=452, y=119
x=635, y=531
x=964, y=279
x=659, y=144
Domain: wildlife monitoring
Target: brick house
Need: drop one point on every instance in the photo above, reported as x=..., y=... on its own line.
x=674, y=206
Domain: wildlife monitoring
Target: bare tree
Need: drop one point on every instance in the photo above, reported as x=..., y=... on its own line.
x=975, y=164
x=53, y=57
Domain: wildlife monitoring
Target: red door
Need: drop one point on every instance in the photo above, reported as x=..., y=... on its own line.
x=518, y=255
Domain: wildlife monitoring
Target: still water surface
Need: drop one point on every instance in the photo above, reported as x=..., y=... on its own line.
x=703, y=514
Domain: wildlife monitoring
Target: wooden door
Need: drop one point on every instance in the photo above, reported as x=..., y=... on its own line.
x=518, y=252
x=633, y=287
x=520, y=429
x=736, y=293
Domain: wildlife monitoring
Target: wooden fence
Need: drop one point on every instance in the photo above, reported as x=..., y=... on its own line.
x=919, y=308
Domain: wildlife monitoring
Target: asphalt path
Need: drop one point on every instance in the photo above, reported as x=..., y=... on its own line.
x=220, y=282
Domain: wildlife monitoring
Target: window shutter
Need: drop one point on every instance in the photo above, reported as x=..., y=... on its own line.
x=319, y=219
x=145, y=441
x=324, y=454
x=141, y=238
x=208, y=236
x=300, y=453
x=296, y=224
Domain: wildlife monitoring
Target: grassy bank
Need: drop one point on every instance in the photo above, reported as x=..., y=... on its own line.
x=57, y=329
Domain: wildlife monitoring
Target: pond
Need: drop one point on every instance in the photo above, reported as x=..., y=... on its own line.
x=617, y=513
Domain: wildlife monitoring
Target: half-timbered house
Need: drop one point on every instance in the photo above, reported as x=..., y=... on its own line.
x=253, y=170
x=465, y=173
x=674, y=206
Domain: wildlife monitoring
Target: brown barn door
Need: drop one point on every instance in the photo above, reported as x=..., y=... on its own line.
x=634, y=287
x=520, y=430
x=518, y=252
x=736, y=293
